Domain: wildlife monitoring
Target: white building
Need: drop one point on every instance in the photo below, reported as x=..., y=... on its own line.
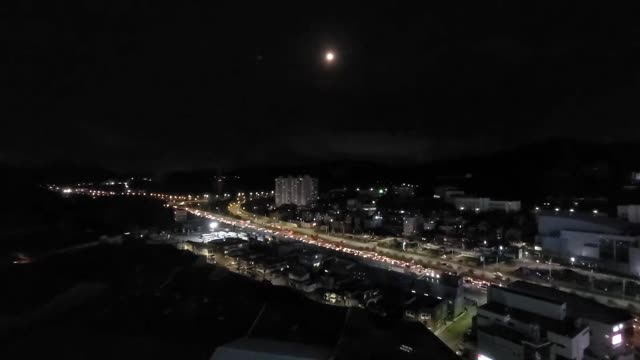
x=529, y=321
x=610, y=329
x=300, y=191
x=603, y=242
x=481, y=204
x=513, y=325
x=630, y=213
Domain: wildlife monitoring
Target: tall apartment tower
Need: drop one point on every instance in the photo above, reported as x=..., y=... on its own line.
x=300, y=190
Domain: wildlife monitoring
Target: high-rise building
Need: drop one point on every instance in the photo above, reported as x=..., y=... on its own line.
x=301, y=190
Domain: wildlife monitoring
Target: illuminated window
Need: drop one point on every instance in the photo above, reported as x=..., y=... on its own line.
x=616, y=339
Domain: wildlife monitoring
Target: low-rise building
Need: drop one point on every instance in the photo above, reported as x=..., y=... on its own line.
x=482, y=204
x=429, y=310
x=228, y=244
x=353, y=204
x=529, y=321
x=180, y=215
x=611, y=329
x=447, y=286
x=412, y=225
x=447, y=193
x=373, y=222
x=607, y=243
x=404, y=190
x=629, y=213
x=311, y=259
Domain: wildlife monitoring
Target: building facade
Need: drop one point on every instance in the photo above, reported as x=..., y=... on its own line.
x=300, y=190
x=529, y=321
x=631, y=213
x=610, y=329
x=606, y=243
x=404, y=190
x=412, y=225
x=481, y=204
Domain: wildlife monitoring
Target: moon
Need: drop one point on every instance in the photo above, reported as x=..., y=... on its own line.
x=329, y=56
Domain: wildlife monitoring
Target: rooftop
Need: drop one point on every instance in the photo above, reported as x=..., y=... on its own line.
x=553, y=300
x=226, y=242
x=298, y=270
x=349, y=333
x=616, y=225
x=421, y=302
x=254, y=348
x=567, y=327
x=577, y=306
x=507, y=333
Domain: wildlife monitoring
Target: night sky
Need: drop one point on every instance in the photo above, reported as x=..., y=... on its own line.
x=200, y=84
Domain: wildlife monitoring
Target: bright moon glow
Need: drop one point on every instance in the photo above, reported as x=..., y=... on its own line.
x=329, y=56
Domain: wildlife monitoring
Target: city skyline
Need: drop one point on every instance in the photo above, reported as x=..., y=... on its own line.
x=230, y=180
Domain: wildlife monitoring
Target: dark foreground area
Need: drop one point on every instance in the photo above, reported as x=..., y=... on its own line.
x=35, y=221
x=134, y=301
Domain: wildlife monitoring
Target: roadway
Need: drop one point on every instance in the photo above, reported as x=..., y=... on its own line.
x=391, y=256
x=368, y=250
